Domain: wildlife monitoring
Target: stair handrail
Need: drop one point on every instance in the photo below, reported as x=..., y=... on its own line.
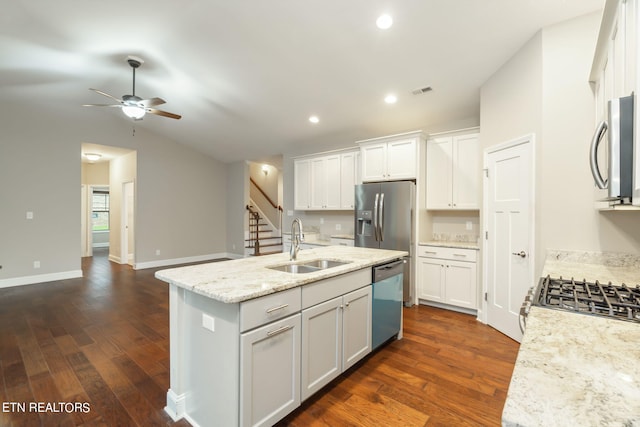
x=271, y=202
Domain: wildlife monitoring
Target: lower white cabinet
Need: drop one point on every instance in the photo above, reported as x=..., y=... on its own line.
x=335, y=335
x=270, y=372
x=448, y=276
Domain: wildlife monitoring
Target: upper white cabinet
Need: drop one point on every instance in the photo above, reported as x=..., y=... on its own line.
x=325, y=182
x=391, y=158
x=349, y=177
x=452, y=172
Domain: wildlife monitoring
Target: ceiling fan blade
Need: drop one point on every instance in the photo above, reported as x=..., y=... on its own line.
x=102, y=105
x=163, y=113
x=106, y=94
x=152, y=102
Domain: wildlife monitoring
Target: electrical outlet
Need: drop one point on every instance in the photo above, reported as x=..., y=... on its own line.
x=157, y=251
x=29, y=215
x=469, y=225
x=289, y=213
x=338, y=227
x=208, y=322
x=36, y=264
x=321, y=220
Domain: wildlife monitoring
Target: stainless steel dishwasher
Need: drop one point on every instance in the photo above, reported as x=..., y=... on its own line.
x=387, y=302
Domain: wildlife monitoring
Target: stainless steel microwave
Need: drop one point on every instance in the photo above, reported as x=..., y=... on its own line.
x=617, y=178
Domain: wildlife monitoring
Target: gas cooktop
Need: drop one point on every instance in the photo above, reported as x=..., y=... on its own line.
x=615, y=301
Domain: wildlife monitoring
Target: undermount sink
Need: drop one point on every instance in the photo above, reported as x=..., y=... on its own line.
x=308, y=266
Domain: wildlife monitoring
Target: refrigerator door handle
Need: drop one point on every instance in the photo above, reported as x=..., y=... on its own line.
x=375, y=217
x=381, y=222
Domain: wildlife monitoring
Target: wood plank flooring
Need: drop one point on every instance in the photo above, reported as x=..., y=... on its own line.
x=103, y=341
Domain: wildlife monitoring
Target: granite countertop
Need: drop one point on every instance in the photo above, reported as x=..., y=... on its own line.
x=574, y=368
x=247, y=278
x=450, y=244
x=343, y=236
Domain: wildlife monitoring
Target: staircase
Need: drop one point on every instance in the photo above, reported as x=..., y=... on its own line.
x=263, y=240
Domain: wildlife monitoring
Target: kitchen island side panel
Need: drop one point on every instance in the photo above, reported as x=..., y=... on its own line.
x=208, y=367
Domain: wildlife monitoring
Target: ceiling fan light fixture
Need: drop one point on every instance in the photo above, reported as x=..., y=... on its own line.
x=133, y=111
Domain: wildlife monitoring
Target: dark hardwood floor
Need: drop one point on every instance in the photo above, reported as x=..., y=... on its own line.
x=102, y=343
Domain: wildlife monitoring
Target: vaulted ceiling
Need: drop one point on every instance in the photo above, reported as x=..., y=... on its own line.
x=247, y=74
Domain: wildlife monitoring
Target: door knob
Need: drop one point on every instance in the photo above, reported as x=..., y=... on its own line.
x=521, y=254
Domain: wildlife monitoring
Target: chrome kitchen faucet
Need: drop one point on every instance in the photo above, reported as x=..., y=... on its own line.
x=296, y=239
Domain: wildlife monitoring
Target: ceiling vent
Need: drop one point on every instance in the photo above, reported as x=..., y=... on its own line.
x=421, y=90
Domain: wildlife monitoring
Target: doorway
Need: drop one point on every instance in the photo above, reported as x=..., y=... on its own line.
x=510, y=235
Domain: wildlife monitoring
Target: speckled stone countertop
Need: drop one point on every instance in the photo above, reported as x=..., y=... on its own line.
x=247, y=278
x=450, y=244
x=575, y=369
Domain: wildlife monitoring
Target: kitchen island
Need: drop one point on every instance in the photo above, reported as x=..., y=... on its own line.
x=576, y=369
x=248, y=342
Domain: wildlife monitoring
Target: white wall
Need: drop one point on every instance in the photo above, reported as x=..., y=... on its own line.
x=237, y=200
x=121, y=170
x=180, y=193
x=543, y=89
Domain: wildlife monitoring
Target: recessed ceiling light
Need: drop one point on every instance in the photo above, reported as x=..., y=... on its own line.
x=314, y=119
x=390, y=99
x=384, y=21
x=92, y=157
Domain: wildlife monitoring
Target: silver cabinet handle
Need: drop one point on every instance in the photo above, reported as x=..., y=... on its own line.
x=279, y=330
x=463, y=255
x=280, y=307
x=521, y=254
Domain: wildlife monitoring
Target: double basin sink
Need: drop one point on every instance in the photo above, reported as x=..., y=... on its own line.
x=308, y=266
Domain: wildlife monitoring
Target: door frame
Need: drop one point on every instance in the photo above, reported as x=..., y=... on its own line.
x=124, y=237
x=529, y=138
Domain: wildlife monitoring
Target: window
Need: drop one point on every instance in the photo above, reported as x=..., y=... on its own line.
x=100, y=210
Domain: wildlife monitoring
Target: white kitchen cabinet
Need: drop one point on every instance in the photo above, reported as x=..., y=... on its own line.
x=302, y=184
x=335, y=335
x=448, y=276
x=452, y=172
x=270, y=372
x=390, y=158
x=349, y=177
x=325, y=182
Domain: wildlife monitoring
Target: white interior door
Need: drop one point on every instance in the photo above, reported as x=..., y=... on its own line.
x=510, y=232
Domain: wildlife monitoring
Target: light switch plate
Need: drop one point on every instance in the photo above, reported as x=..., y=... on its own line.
x=208, y=322
x=29, y=215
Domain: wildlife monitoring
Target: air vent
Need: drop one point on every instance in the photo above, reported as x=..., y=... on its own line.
x=421, y=90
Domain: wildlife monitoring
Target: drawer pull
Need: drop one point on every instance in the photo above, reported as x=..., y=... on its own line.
x=280, y=307
x=279, y=330
x=430, y=252
x=463, y=255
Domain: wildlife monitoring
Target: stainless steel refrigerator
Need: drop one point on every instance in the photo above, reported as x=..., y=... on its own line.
x=384, y=219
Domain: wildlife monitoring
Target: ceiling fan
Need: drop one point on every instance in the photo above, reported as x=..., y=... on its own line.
x=133, y=106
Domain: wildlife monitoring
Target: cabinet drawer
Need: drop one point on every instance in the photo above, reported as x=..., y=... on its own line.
x=456, y=254
x=266, y=309
x=326, y=289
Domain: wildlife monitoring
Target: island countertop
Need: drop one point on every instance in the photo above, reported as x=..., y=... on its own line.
x=247, y=278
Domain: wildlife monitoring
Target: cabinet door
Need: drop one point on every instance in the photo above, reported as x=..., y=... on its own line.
x=374, y=162
x=301, y=184
x=466, y=172
x=431, y=276
x=402, y=159
x=321, y=345
x=318, y=196
x=332, y=182
x=347, y=180
x=356, y=326
x=460, y=284
x=439, y=160
x=270, y=372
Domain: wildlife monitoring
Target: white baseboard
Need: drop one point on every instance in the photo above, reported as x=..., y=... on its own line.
x=185, y=260
x=175, y=405
x=40, y=278
x=115, y=259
